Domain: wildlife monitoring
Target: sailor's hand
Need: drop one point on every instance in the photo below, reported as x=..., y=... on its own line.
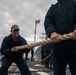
x=55, y=37
x=14, y=49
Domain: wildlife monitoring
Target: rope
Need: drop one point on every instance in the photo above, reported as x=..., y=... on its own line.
x=40, y=61
x=63, y=37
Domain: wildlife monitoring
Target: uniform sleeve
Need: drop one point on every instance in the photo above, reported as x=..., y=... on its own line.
x=4, y=48
x=49, y=22
x=75, y=13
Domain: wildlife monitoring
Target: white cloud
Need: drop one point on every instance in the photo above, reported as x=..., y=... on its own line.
x=23, y=13
x=31, y=39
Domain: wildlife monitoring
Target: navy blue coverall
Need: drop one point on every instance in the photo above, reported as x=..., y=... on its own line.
x=61, y=18
x=16, y=57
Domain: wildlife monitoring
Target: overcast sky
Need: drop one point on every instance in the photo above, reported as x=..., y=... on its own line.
x=23, y=13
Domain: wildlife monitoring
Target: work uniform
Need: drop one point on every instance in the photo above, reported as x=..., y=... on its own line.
x=61, y=18
x=16, y=57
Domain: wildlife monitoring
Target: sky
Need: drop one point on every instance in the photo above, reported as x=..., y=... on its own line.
x=24, y=13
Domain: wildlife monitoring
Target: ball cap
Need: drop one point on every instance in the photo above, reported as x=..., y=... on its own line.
x=14, y=27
